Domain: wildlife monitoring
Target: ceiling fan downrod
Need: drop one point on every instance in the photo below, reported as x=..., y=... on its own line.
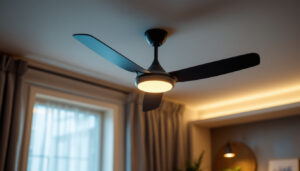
x=156, y=37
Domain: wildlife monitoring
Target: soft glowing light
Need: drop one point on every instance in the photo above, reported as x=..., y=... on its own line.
x=252, y=102
x=228, y=151
x=155, y=86
x=249, y=108
x=229, y=155
x=239, y=100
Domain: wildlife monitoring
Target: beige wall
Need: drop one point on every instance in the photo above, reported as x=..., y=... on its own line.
x=198, y=139
x=278, y=138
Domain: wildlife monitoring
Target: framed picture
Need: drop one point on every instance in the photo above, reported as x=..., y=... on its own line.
x=284, y=165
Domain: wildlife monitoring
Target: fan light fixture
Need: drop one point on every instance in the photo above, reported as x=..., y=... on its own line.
x=155, y=80
x=154, y=83
x=228, y=152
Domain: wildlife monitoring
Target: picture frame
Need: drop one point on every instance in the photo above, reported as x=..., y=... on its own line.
x=284, y=164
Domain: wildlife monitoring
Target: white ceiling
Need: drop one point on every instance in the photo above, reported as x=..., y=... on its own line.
x=201, y=31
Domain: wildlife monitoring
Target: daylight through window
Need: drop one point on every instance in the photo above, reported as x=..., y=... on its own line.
x=64, y=137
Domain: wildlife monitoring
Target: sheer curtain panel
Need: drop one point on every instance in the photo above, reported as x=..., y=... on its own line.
x=64, y=137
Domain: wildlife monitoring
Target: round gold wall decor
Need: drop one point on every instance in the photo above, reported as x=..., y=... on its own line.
x=244, y=158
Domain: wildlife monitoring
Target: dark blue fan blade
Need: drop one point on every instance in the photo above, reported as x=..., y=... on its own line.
x=151, y=101
x=108, y=53
x=217, y=68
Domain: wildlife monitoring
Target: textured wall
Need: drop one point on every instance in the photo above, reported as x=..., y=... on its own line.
x=278, y=138
x=200, y=141
x=197, y=139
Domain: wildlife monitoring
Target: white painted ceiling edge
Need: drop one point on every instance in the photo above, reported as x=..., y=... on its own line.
x=201, y=32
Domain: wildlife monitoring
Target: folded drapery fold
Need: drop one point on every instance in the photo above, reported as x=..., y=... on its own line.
x=11, y=113
x=156, y=137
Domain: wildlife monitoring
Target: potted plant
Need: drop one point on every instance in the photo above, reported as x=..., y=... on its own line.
x=194, y=166
x=236, y=169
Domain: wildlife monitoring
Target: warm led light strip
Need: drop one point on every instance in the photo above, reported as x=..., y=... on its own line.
x=251, y=97
x=270, y=99
x=250, y=108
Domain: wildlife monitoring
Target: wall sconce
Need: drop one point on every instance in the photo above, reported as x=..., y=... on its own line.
x=228, y=151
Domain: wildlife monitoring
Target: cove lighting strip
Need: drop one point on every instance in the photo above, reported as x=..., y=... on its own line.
x=249, y=103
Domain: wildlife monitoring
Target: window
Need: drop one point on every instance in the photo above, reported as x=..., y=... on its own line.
x=68, y=136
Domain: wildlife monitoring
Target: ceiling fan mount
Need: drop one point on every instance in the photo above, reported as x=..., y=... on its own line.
x=156, y=37
x=155, y=80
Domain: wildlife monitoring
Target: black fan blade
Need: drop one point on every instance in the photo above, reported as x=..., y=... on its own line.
x=217, y=68
x=108, y=53
x=151, y=101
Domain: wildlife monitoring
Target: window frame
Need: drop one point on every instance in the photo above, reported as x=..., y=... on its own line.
x=110, y=112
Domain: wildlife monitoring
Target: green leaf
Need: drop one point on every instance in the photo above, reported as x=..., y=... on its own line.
x=196, y=165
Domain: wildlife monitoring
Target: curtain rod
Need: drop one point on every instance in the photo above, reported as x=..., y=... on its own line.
x=76, y=79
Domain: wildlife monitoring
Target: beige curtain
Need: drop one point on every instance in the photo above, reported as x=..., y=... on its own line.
x=156, y=138
x=11, y=119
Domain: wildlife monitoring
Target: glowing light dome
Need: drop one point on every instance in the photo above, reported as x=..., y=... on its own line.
x=154, y=83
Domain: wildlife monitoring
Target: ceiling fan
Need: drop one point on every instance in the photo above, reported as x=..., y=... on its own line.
x=155, y=80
